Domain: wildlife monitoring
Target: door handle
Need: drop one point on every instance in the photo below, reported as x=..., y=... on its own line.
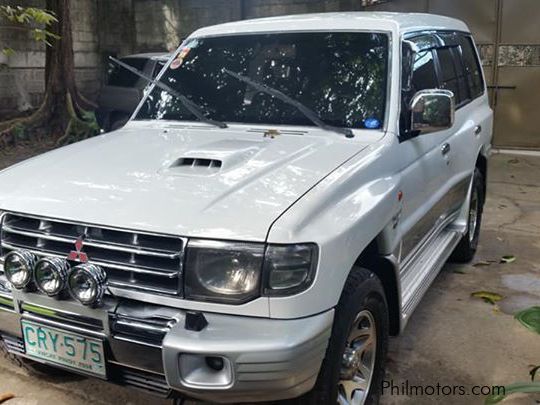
x=445, y=149
x=477, y=129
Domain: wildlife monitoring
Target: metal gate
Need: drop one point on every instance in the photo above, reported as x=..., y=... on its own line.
x=517, y=96
x=508, y=36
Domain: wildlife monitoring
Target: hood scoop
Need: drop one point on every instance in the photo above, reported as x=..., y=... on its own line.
x=197, y=163
x=214, y=157
x=194, y=166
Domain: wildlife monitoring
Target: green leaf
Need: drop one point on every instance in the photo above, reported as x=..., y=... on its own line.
x=526, y=388
x=508, y=259
x=34, y=20
x=530, y=318
x=8, y=51
x=489, y=297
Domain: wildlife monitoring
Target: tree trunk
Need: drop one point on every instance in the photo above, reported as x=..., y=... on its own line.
x=61, y=111
x=60, y=87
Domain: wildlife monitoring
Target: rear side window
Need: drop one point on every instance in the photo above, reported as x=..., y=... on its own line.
x=473, y=73
x=120, y=77
x=452, y=75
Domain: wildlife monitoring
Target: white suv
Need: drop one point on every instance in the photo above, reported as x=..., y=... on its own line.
x=274, y=210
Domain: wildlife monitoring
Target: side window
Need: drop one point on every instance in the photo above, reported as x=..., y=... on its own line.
x=424, y=74
x=120, y=77
x=421, y=74
x=157, y=68
x=472, y=67
x=452, y=76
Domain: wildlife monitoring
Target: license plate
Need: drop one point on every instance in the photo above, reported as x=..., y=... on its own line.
x=65, y=348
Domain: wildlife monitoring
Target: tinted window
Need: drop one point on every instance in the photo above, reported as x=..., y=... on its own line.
x=426, y=42
x=157, y=68
x=452, y=76
x=424, y=74
x=118, y=76
x=448, y=70
x=341, y=76
x=472, y=67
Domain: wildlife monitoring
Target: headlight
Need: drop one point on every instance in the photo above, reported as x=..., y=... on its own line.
x=18, y=267
x=50, y=275
x=223, y=271
x=289, y=269
x=86, y=283
x=231, y=272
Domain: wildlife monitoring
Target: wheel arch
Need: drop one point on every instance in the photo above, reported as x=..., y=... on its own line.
x=386, y=270
x=481, y=165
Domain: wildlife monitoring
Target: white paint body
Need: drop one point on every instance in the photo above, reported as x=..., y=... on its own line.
x=317, y=187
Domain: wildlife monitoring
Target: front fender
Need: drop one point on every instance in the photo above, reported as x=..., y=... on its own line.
x=342, y=215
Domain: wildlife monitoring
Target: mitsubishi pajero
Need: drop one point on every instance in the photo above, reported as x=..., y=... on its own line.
x=275, y=209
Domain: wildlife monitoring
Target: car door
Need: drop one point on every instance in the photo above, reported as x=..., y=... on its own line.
x=473, y=116
x=460, y=146
x=425, y=170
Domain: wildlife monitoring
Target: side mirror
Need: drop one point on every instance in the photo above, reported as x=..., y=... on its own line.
x=432, y=111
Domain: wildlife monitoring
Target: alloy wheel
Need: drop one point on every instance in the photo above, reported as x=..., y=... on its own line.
x=473, y=215
x=358, y=361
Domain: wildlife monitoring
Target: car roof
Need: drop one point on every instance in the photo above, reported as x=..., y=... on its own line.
x=401, y=23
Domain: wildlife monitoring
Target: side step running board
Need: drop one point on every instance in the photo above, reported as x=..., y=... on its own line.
x=419, y=274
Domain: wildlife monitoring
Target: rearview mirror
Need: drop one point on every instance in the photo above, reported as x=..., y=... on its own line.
x=432, y=111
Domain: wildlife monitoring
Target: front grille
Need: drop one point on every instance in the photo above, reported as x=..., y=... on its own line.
x=132, y=260
x=141, y=330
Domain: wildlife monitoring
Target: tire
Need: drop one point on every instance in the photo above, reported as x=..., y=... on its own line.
x=363, y=296
x=466, y=248
x=35, y=368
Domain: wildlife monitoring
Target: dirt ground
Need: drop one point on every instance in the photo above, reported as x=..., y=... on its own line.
x=451, y=340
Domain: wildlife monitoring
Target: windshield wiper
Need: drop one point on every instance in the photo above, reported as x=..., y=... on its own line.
x=186, y=102
x=306, y=111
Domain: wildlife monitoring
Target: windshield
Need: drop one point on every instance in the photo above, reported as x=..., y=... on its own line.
x=340, y=76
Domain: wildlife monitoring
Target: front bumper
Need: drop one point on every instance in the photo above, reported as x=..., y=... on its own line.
x=263, y=359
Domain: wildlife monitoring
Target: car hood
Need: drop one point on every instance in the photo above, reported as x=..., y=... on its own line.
x=193, y=181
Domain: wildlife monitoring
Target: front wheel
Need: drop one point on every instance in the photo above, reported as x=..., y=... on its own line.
x=353, y=369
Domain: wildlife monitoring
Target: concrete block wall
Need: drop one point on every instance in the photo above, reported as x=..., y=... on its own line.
x=116, y=26
x=23, y=82
x=26, y=72
x=121, y=27
x=161, y=24
x=265, y=8
x=84, y=19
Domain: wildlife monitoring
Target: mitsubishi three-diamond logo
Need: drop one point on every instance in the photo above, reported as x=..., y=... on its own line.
x=78, y=255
